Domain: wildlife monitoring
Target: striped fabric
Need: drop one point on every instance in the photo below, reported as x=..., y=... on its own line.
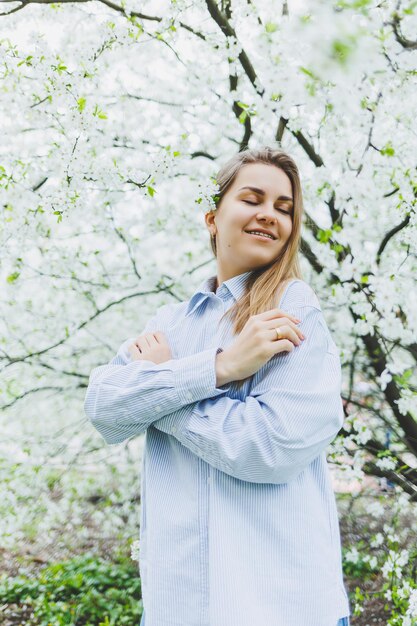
x=239, y=525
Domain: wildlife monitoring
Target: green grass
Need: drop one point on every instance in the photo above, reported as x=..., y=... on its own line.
x=83, y=591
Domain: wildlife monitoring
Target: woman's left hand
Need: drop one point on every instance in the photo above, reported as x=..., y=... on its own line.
x=151, y=347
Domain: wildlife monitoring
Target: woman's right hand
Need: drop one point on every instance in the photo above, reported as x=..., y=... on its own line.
x=256, y=344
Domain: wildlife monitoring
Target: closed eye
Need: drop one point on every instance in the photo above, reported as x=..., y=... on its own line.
x=282, y=210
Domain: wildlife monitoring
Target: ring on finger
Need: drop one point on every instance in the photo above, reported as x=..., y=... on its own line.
x=278, y=332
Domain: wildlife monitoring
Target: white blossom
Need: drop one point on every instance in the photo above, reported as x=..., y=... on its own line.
x=412, y=604
x=377, y=541
x=385, y=463
x=375, y=509
x=384, y=378
x=407, y=402
x=352, y=555
x=394, y=563
x=135, y=550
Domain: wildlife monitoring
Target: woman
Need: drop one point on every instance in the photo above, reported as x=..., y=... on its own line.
x=238, y=391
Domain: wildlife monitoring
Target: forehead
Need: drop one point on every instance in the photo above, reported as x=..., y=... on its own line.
x=273, y=180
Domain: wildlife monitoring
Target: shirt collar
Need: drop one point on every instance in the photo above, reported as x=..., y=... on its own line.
x=235, y=286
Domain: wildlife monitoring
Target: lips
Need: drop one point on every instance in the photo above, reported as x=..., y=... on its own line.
x=262, y=230
x=259, y=237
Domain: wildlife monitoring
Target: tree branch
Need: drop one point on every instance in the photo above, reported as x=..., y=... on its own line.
x=403, y=41
x=389, y=236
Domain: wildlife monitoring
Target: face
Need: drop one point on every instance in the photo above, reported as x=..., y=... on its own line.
x=268, y=206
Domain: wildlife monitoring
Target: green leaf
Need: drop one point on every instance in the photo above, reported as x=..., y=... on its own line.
x=13, y=277
x=99, y=113
x=341, y=50
x=271, y=27
x=81, y=102
x=388, y=150
x=305, y=70
x=324, y=235
x=353, y=4
x=404, y=378
x=60, y=68
x=27, y=61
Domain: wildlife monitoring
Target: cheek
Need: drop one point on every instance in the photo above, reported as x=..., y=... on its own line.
x=288, y=228
x=234, y=225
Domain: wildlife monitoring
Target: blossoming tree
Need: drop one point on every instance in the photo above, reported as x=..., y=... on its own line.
x=112, y=131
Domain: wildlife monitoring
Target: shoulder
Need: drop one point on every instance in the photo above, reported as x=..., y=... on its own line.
x=298, y=294
x=301, y=300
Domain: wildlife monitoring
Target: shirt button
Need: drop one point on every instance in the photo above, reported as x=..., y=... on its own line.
x=189, y=396
x=158, y=408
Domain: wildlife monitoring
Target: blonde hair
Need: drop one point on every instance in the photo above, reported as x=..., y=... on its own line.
x=265, y=285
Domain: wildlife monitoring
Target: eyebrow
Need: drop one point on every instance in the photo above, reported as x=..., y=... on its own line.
x=261, y=192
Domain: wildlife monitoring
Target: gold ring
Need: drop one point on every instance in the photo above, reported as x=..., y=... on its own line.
x=278, y=333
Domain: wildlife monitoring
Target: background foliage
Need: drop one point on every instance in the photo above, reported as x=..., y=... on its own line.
x=114, y=119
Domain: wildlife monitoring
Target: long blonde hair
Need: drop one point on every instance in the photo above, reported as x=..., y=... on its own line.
x=265, y=285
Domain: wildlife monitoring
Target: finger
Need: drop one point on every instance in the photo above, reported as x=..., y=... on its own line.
x=141, y=343
x=144, y=342
x=284, y=321
x=286, y=332
x=133, y=351
x=160, y=337
x=294, y=337
x=153, y=339
x=276, y=313
x=149, y=340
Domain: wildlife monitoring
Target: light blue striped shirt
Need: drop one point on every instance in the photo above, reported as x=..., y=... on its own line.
x=238, y=524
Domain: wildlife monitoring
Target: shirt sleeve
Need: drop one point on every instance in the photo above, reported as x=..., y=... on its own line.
x=124, y=397
x=293, y=411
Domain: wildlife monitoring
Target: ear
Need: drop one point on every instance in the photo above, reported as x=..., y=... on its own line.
x=210, y=222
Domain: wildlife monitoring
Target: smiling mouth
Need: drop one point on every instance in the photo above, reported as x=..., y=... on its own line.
x=260, y=237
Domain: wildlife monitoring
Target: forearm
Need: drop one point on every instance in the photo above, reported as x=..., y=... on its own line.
x=123, y=400
x=253, y=440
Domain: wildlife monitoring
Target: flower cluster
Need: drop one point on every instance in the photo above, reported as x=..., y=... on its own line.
x=208, y=194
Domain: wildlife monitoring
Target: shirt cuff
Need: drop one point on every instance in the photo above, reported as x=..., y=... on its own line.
x=194, y=376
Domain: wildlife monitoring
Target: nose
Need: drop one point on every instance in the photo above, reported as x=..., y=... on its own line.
x=271, y=219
